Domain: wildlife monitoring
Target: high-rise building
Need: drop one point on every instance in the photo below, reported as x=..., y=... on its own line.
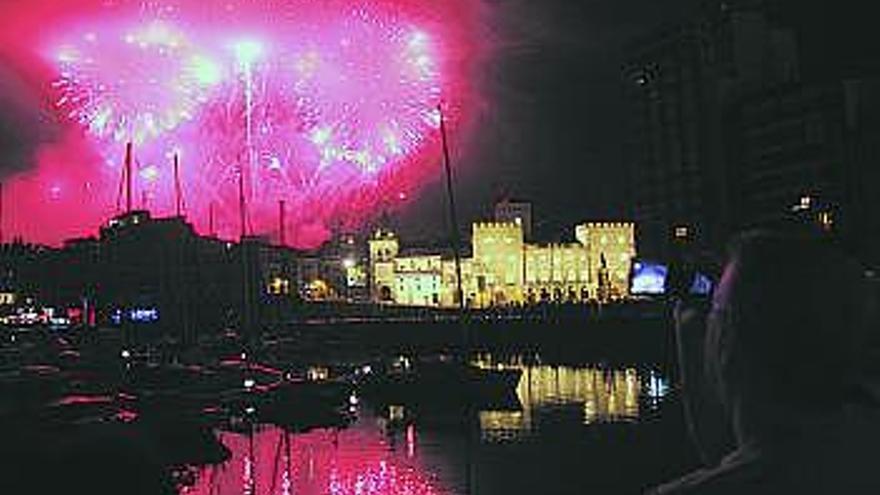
x=809, y=150
x=678, y=82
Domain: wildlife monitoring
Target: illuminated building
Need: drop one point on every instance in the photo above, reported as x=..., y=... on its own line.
x=418, y=280
x=512, y=211
x=611, y=248
x=498, y=262
x=505, y=270
x=383, y=249
x=340, y=264
x=468, y=283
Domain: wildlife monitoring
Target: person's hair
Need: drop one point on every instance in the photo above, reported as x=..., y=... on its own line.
x=790, y=323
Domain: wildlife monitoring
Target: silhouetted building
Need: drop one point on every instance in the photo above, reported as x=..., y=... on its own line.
x=810, y=150
x=151, y=272
x=679, y=82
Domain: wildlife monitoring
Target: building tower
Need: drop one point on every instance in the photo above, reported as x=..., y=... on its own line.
x=384, y=247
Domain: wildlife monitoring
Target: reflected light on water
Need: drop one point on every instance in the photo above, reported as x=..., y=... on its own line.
x=604, y=395
x=354, y=461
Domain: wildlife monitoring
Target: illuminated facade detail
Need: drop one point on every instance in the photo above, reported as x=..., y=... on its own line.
x=383, y=247
x=611, y=248
x=468, y=283
x=418, y=280
x=278, y=287
x=557, y=272
x=355, y=276
x=7, y=298
x=498, y=262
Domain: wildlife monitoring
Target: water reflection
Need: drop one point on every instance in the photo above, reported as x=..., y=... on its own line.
x=354, y=461
x=593, y=394
x=396, y=451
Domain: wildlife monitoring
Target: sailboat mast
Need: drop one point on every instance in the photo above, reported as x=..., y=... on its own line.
x=242, y=204
x=211, y=231
x=1, y=213
x=282, y=225
x=453, y=218
x=178, y=193
x=128, y=177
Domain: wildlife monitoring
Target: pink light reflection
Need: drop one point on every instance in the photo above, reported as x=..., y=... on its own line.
x=353, y=461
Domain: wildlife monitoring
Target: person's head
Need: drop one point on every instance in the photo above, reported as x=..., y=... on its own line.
x=787, y=322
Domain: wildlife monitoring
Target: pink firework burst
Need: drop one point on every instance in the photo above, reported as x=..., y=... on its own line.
x=329, y=106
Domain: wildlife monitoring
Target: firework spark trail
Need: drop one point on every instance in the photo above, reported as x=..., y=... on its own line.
x=330, y=106
x=133, y=86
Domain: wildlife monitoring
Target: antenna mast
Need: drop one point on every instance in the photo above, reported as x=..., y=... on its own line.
x=242, y=204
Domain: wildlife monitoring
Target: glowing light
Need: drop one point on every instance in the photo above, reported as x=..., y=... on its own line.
x=204, y=71
x=150, y=174
x=247, y=52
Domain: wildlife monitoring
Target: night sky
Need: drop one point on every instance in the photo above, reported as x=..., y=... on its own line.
x=554, y=129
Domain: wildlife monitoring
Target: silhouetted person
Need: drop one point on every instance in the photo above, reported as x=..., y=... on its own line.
x=782, y=389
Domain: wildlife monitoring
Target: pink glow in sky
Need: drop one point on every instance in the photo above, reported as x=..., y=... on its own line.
x=330, y=106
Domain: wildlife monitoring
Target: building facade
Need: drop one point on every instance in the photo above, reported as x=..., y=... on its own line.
x=418, y=280
x=504, y=270
x=498, y=262
x=558, y=272
x=383, y=249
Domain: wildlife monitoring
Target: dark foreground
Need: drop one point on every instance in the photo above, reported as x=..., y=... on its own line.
x=579, y=421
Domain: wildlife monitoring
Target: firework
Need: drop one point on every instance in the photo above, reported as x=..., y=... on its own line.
x=330, y=106
x=134, y=85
